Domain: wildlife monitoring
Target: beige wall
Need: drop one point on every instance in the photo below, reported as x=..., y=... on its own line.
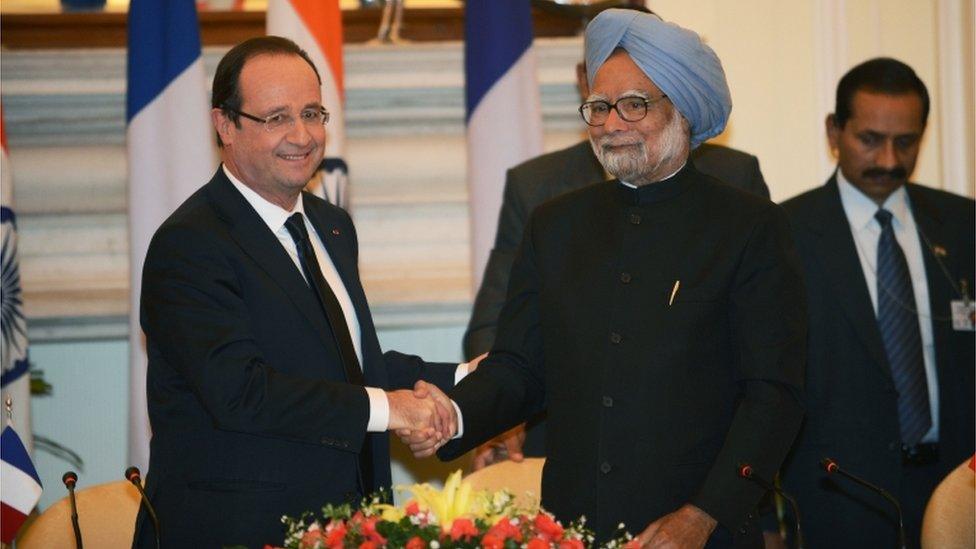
x=783, y=59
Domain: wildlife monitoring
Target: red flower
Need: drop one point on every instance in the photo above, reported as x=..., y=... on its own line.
x=368, y=529
x=416, y=542
x=367, y=545
x=547, y=527
x=571, y=543
x=538, y=543
x=413, y=508
x=492, y=541
x=335, y=533
x=504, y=529
x=463, y=528
x=312, y=537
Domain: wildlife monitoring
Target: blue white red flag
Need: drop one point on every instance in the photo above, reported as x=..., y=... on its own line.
x=170, y=149
x=316, y=26
x=504, y=120
x=20, y=487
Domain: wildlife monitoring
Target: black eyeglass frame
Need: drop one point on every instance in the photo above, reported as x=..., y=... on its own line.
x=266, y=119
x=647, y=104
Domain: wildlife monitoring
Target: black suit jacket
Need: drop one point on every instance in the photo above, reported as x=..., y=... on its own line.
x=550, y=175
x=850, y=399
x=651, y=405
x=251, y=413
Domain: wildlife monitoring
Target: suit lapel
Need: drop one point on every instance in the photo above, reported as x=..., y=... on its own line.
x=842, y=268
x=253, y=236
x=933, y=237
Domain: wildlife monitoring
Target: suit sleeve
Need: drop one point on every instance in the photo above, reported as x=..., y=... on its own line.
x=509, y=385
x=768, y=313
x=197, y=325
x=482, y=327
x=406, y=370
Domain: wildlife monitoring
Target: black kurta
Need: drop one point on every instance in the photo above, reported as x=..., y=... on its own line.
x=651, y=404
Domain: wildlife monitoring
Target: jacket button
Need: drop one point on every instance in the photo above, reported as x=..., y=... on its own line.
x=742, y=530
x=607, y=402
x=635, y=219
x=615, y=338
x=625, y=278
x=605, y=467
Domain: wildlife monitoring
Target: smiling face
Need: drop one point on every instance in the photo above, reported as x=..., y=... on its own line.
x=275, y=164
x=637, y=152
x=878, y=145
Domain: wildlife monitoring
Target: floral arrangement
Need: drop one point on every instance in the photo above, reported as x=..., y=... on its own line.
x=456, y=517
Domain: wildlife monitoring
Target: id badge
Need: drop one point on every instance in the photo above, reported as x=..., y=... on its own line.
x=963, y=315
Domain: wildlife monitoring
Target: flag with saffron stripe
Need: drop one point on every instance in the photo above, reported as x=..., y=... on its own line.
x=316, y=26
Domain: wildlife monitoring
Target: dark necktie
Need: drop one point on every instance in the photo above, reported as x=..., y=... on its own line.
x=340, y=330
x=898, y=323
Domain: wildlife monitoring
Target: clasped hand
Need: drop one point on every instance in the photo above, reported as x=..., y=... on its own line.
x=423, y=418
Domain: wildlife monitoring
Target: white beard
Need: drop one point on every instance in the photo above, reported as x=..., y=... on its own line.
x=634, y=163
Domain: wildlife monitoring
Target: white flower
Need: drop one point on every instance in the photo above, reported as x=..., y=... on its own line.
x=434, y=544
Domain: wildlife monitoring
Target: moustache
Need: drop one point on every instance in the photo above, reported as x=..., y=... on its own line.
x=878, y=173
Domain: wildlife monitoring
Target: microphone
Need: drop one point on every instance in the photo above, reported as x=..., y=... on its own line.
x=70, y=479
x=745, y=471
x=832, y=467
x=132, y=475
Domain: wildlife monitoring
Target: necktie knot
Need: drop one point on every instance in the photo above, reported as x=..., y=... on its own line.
x=884, y=218
x=296, y=227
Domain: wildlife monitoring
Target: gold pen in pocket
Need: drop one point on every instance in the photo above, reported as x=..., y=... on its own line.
x=674, y=292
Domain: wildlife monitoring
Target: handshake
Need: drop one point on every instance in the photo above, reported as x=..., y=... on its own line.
x=424, y=418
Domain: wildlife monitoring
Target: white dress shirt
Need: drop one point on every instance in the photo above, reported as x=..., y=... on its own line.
x=274, y=217
x=866, y=231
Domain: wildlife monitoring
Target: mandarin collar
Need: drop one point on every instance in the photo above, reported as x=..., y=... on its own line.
x=658, y=191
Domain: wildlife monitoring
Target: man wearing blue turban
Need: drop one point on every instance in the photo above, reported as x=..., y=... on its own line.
x=659, y=318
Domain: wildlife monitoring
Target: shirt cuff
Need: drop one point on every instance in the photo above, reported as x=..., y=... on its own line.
x=379, y=410
x=460, y=420
x=461, y=372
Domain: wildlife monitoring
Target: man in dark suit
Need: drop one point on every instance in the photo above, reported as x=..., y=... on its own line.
x=266, y=384
x=532, y=183
x=658, y=318
x=889, y=386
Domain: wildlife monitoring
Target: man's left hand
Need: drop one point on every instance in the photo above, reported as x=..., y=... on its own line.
x=688, y=527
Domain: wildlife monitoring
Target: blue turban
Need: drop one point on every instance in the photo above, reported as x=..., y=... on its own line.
x=674, y=58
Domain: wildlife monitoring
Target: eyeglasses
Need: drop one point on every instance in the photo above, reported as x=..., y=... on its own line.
x=275, y=122
x=631, y=108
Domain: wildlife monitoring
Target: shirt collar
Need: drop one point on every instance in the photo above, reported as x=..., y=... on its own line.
x=860, y=209
x=273, y=215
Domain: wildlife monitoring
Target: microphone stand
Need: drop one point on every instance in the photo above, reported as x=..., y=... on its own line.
x=70, y=479
x=132, y=475
x=831, y=467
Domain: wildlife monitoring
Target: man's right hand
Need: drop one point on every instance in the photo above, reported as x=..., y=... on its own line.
x=414, y=411
x=423, y=418
x=507, y=445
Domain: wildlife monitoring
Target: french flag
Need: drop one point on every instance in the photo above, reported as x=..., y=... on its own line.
x=170, y=142
x=316, y=26
x=20, y=487
x=503, y=116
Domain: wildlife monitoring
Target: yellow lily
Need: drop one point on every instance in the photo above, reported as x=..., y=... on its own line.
x=456, y=499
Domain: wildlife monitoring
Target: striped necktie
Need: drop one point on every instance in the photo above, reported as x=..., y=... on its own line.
x=898, y=323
